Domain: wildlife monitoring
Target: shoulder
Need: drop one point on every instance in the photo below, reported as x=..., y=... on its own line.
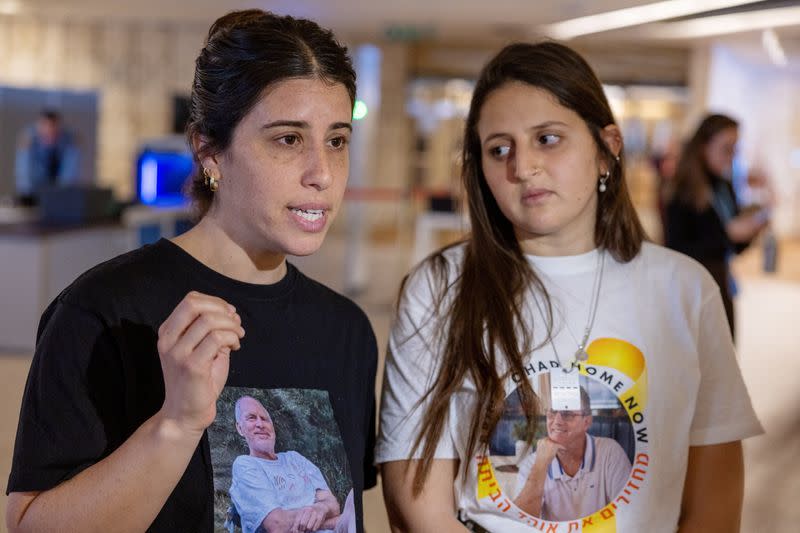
x=435, y=274
x=294, y=458
x=292, y=455
x=244, y=464
x=609, y=449
x=134, y=272
x=244, y=461
x=655, y=264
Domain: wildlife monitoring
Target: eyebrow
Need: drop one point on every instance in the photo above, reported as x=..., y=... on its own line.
x=302, y=124
x=540, y=126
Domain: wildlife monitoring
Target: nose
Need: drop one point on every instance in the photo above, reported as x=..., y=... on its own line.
x=526, y=163
x=319, y=169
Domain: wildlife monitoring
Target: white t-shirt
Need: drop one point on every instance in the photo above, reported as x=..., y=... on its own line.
x=662, y=376
x=259, y=486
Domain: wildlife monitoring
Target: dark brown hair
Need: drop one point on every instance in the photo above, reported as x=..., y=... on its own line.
x=690, y=185
x=483, y=323
x=245, y=53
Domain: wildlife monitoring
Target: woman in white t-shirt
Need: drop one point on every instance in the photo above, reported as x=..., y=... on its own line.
x=555, y=290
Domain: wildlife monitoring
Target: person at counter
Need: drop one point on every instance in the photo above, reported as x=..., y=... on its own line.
x=47, y=154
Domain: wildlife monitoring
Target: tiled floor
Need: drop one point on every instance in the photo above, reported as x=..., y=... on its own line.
x=768, y=337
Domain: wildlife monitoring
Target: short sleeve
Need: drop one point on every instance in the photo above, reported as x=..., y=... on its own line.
x=66, y=409
x=252, y=493
x=723, y=411
x=409, y=373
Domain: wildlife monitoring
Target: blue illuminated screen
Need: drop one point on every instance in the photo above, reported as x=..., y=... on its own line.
x=160, y=177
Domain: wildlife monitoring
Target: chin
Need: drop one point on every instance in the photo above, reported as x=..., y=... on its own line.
x=306, y=246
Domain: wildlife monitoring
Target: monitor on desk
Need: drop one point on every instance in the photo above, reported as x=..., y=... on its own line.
x=162, y=170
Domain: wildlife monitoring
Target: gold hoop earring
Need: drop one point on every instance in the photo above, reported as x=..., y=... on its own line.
x=211, y=182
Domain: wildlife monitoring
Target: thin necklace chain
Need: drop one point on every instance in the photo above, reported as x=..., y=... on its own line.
x=580, y=353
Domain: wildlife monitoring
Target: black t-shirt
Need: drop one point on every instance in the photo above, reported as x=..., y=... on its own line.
x=96, y=376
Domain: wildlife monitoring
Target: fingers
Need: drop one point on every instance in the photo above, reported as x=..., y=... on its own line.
x=216, y=342
x=307, y=519
x=210, y=326
x=193, y=305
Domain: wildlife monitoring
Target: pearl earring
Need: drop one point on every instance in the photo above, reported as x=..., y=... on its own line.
x=603, y=180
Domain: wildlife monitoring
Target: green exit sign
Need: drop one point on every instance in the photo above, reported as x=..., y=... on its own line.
x=408, y=32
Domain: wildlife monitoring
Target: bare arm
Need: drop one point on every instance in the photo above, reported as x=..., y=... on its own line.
x=530, y=497
x=713, y=491
x=746, y=226
x=433, y=510
x=194, y=345
x=322, y=514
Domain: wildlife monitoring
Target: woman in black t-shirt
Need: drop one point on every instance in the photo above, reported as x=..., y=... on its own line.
x=133, y=357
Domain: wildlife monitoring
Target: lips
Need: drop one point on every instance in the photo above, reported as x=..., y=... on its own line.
x=310, y=217
x=533, y=196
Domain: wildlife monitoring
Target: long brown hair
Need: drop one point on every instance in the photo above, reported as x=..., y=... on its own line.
x=690, y=185
x=481, y=326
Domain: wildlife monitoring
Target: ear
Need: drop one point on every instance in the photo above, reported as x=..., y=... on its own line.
x=239, y=429
x=612, y=136
x=199, y=145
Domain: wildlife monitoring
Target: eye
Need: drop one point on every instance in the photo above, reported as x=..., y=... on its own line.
x=549, y=138
x=339, y=142
x=290, y=139
x=500, y=152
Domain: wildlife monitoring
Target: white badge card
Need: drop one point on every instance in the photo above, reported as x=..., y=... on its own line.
x=565, y=390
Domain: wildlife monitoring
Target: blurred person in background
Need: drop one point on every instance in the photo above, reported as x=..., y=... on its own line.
x=664, y=164
x=703, y=217
x=132, y=357
x=47, y=154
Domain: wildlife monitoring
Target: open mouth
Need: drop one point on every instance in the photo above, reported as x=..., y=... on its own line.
x=311, y=215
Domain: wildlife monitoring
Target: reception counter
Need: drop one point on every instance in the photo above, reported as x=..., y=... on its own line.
x=38, y=261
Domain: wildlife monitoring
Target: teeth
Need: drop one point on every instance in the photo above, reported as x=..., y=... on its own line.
x=309, y=214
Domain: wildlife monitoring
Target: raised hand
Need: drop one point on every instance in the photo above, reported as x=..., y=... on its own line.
x=546, y=450
x=194, y=344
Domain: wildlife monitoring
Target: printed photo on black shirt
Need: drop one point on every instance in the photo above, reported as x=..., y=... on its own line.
x=279, y=463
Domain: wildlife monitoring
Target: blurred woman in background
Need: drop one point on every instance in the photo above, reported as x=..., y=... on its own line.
x=703, y=218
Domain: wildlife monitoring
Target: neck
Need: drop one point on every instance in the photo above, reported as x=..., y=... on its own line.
x=209, y=243
x=571, y=456
x=270, y=456
x=569, y=241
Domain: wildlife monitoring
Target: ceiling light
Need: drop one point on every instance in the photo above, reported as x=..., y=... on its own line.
x=633, y=16
x=726, y=24
x=10, y=7
x=771, y=43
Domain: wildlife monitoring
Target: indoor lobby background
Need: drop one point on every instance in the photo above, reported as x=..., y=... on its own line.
x=120, y=73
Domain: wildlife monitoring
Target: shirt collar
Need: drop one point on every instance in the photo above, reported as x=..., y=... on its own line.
x=555, y=471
